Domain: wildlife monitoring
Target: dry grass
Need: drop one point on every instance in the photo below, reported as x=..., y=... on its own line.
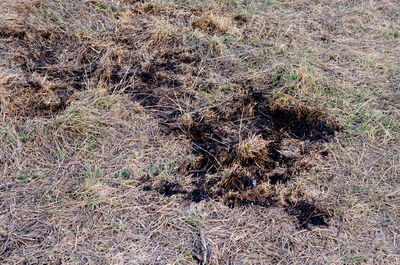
x=211, y=132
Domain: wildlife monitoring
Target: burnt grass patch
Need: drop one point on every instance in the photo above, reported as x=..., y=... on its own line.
x=243, y=146
x=53, y=65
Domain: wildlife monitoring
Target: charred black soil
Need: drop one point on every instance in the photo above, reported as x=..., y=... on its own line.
x=244, y=146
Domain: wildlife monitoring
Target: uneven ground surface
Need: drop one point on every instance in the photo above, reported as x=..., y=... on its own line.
x=199, y=132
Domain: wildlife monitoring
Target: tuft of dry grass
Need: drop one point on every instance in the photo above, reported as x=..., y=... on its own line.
x=213, y=23
x=252, y=148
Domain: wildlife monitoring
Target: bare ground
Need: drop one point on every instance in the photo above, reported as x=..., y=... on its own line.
x=199, y=132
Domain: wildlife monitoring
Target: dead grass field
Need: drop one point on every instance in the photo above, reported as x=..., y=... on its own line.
x=199, y=132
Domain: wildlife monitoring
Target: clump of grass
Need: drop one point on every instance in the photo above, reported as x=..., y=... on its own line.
x=252, y=148
x=213, y=23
